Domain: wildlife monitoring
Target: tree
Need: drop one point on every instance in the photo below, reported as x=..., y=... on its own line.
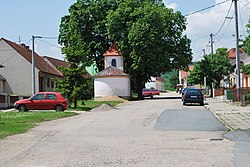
x=149, y=36
x=76, y=85
x=84, y=38
x=246, y=42
x=213, y=67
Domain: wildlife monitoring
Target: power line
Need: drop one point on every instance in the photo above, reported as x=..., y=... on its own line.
x=226, y=17
x=198, y=11
x=50, y=44
x=224, y=31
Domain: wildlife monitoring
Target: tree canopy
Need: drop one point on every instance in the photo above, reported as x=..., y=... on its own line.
x=213, y=67
x=246, y=42
x=149, y=35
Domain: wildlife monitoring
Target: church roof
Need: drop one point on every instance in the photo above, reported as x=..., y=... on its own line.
x=111, y=71
x=113, y=50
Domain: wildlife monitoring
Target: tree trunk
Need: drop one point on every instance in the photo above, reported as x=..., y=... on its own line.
x=140, y=85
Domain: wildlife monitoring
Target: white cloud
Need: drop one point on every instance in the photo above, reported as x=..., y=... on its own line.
x=201, y=25
x=171, y=5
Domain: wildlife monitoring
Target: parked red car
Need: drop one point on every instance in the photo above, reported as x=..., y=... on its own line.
x=147, y=93
x=155, y=92
x=43, y=101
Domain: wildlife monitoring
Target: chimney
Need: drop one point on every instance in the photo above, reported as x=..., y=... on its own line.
x=23, y=45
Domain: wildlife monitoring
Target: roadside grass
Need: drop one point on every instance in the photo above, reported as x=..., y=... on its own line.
x=19, y=122
x=90, y=104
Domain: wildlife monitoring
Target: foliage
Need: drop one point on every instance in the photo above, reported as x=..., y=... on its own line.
x=246, y=68
x=246, y=42
x=76, y=85
x=19, y=122
x=171, y=79
x=213, y=67
x=149, y=36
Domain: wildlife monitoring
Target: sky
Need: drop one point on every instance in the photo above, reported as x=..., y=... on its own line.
x=20, y=20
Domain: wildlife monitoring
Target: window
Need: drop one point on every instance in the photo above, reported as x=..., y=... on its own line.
x=113, y=62
x=48, y=82
x=50, y=97
x=38, y=97
x=52, y=83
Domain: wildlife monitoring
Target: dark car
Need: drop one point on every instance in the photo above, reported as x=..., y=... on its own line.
x=193, y=95
x=43, y=101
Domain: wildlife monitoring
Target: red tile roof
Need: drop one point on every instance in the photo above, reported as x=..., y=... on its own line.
x=111, y=71
x=113, y=50
x=232, y=53
x=57, y=62
x=40, y=63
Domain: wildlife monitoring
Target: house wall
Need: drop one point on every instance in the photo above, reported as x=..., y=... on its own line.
x=17, y=72
x=119, y=61
x=112, y=86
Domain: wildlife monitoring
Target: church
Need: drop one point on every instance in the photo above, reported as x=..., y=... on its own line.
x=112, y=81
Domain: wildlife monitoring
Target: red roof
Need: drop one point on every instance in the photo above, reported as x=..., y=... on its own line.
x=113, y=50
x=40, y=63
x=111, y=71
x=57, y=62
x=232, y=53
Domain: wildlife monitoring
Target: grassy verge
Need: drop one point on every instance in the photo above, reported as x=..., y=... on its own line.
x=90, y=104
x=19, y=122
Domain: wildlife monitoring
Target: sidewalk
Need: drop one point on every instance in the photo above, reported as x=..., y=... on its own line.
x=233, y=116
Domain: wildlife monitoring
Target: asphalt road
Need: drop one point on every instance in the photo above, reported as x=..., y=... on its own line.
x=134, y=134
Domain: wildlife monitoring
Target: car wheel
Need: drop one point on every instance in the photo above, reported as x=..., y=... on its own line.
x=202, y=103
x=184, y=103
x=59, y=107
x=22, y=108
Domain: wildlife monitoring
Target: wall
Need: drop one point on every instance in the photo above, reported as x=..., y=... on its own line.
x=17, y=71
x=119, y=61
x=112, y=86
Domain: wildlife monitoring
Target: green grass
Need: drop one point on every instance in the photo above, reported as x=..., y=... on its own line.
x=90, y=104
x=19, y=122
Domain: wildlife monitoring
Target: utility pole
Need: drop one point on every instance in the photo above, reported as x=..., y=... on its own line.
x=33, y=64
x=212, y=44
x=238, y=84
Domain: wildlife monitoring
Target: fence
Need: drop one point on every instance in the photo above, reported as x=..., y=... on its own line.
x=241, y=95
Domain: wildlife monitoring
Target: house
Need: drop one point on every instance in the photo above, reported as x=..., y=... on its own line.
x=244, y=59
x=183, y=76
x=17, y=71
x=156, y=83
x=112, y=81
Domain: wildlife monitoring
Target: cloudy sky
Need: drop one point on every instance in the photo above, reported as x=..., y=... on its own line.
x=22, y=19
x=202, y=24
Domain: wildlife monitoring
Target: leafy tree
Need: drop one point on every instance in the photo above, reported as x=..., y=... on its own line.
x=150, y=38
x=171, y=79
x=84, y=38
x=246, y=42
x=213, y=67
x=76, y=85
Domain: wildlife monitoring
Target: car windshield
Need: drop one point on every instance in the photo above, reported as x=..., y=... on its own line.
x=194, y=91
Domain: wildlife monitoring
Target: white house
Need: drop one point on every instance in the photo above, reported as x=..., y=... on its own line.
x=112, y=81
x=17, y=71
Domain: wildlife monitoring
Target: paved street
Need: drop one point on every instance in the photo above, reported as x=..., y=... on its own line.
x=122, y=137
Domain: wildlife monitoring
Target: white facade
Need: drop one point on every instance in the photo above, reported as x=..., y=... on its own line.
x=119, y=61
x=112, y=86
x=17, y=71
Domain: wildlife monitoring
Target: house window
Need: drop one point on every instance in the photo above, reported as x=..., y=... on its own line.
x=48, y=82
x=113, y=62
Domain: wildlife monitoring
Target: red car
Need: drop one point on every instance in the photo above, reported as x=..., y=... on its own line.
x=155, y=92
x=147, y=93
x=43, y=101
